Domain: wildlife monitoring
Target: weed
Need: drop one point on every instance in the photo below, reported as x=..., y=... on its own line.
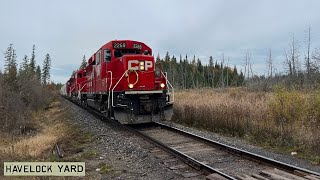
x=105, y=168
x=89, y=154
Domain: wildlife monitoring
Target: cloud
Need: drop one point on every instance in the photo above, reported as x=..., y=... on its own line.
x=202, y=28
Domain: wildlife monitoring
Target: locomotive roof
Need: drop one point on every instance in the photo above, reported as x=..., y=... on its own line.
x=110, y=43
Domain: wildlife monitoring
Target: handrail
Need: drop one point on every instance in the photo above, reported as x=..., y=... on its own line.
x=172, y=89
x=71, y=89
x=109, y=86
x=167, y=81
x=83, y=87
x=117, y=85
x=79, y=90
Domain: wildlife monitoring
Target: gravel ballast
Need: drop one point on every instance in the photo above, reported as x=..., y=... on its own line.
x=127, y=155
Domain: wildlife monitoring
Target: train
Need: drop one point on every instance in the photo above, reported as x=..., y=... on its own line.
x=121, y=80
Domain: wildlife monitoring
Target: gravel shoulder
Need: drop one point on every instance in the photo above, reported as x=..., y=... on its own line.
x=242, y=144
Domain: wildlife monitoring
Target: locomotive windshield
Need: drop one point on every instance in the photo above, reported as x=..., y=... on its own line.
x=121, y=52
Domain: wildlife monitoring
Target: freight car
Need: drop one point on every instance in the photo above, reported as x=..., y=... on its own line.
x=121, y=80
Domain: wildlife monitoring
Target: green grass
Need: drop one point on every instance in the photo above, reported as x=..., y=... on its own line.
x=89, y=154
x=105, y=168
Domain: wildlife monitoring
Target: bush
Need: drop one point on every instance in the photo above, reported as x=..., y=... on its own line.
x=288, y=110
x=18, y=100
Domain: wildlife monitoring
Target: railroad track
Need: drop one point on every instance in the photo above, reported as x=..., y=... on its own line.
x=216, y=160
x=221, y=160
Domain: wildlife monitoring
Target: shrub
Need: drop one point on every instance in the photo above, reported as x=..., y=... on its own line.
x=288, y=110
x=18, y=100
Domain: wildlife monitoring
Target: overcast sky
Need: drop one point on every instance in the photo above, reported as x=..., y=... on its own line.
x=67, y=30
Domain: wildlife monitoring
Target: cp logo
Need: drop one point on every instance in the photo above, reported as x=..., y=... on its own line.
x=134, y=64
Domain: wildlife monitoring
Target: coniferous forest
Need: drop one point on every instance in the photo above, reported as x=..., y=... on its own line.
x=188, y=73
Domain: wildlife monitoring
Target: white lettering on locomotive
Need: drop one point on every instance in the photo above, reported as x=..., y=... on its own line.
x=148, y=64
x=134, y=64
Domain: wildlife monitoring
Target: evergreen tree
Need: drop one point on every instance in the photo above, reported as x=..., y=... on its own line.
x=38, y=73
x=211, y=61
x=235, y=71
x=25, y=62
x=46, y=69
x=167, y=57
x=32, y=64
x=173, y=70
x=158, y=58
x=184, y=74
x=10, y=64
x=211, y=72
x=24, y=67
x=73, y=73
x=84, y=62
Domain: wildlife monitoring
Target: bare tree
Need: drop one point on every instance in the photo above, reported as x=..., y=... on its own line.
x=292, y=56
x=270, y=64
x=288, y=63
x=316, y=54
x=228, y=72
x=222, y=63
x=308, y=52
x=315, y=66
x=248, y=65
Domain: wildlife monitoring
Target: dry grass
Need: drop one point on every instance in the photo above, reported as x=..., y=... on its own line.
x=234, y=111
x=36, y=145
x=49, y=129
x=50, y=126
x=279, y=119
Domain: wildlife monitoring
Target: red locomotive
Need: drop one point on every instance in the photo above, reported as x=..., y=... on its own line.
x=122, y=82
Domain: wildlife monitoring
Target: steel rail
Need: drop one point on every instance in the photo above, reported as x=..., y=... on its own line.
x=249, y=155
x=183, y=157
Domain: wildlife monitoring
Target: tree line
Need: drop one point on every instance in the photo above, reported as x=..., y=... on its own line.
x=27, y=68
x=187, y=74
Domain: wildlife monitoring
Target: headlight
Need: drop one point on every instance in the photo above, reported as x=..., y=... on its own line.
x=130, y=86
x=141, y=65
x=162, y=85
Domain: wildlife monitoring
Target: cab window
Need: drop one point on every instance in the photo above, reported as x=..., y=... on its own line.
x=79, y=75
x=98, y=55
x=107, y=55
x=121, y=52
